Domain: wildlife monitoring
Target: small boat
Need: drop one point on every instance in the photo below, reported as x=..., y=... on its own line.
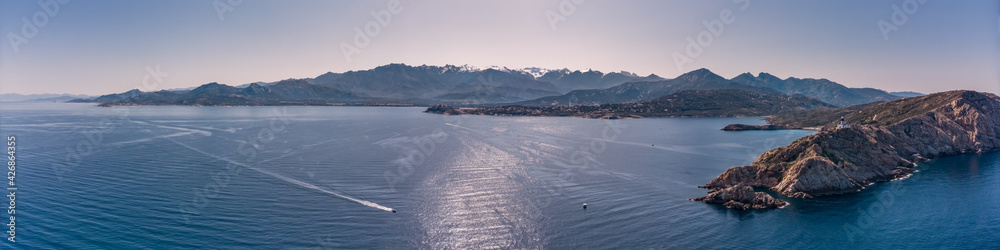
x=584, y=205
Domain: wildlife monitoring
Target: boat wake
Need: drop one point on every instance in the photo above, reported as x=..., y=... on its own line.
x=282, y=177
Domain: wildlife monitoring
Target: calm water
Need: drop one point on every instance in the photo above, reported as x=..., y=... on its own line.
x=324, y=177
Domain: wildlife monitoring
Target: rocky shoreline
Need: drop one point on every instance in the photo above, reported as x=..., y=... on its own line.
x=882, y=142
x=741, y=197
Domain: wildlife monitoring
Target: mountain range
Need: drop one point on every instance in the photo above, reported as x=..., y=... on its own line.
x=11, y=97
x=287, y=92
x=822, y=89
x=467, y=85
x=400, y=84
x=644, y=91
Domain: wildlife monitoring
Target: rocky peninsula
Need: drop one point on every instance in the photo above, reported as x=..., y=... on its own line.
x=882, y=142
x=685, y=103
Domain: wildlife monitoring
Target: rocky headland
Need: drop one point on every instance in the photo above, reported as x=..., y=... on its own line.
x=813, y=119
x=685, y=103
x=882, y=142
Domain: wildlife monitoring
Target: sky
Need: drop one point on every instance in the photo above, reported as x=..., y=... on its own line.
x=111, y=46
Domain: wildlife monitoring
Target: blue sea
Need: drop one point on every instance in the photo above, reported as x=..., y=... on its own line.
x=168, y=177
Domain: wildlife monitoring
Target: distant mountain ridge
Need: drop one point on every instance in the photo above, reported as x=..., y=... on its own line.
x=567, y=80
x=12, y=97
x=467, y=85
x=287, y=92
x=471, y=86
x=823, y=89
x=419, y=85
x=643, y=91
x=906, y=94
x=430, y=82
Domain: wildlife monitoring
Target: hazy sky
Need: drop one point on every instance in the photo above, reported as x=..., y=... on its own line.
x=99, y=47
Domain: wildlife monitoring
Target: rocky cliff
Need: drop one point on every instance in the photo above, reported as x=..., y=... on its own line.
x=881, y=143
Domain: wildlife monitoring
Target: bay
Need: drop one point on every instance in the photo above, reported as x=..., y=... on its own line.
x=327, y=177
